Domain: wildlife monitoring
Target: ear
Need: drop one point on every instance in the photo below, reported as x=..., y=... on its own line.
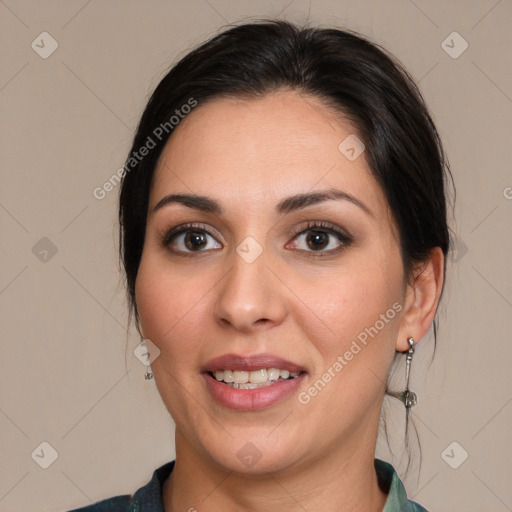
x=421, y=299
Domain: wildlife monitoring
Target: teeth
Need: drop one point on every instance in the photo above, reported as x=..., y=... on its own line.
x=240, y=378
x=258, y=376
x=250, y=385
x=273, y=373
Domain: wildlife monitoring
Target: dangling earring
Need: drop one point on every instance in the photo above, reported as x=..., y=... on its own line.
x=149, y=374
x=408, y=397
x=143, y=355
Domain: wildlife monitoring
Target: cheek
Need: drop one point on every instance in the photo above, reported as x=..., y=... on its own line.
x=353, y=330
x=354, y=299
x=153, y=297
x=352, y=319
x=171, y=307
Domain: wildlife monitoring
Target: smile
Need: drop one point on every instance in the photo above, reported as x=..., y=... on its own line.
x=240, y=379
x=250, y=396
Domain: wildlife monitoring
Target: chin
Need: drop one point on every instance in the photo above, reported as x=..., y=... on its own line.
x=254, y=455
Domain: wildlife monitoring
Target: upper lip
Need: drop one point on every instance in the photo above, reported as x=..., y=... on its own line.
x=250, y=363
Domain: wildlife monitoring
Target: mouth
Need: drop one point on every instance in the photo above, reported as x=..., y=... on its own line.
x=255, y=379
x=249, y=383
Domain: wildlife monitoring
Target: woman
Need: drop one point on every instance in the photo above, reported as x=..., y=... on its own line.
x=283, y=233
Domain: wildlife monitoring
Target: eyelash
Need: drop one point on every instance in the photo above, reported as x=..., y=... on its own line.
x=325, y=227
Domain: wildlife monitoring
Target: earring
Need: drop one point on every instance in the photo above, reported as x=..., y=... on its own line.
x=149, y=374
x=408, y=397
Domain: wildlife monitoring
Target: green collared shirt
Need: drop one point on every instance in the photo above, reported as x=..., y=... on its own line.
x=149, y=497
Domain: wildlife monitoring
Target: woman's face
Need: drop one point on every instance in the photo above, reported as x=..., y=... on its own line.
x=253, y=282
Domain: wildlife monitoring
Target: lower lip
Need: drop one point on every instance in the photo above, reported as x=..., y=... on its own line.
x=252, y=399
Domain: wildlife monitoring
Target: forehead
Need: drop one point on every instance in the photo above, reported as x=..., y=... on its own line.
x=251, y=149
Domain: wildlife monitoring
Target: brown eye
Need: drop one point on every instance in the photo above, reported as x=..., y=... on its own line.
x=324, y=241
x=194, y=240
x=188, y=239
x=317, y=240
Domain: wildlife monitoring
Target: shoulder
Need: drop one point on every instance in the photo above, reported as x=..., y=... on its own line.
x=390, y=483
x=147, y=498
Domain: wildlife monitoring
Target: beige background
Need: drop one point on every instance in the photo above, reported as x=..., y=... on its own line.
x=67, y=123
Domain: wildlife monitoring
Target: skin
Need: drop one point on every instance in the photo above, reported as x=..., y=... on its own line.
x=248, y=155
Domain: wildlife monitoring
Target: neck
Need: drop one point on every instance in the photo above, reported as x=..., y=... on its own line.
x=340, y=480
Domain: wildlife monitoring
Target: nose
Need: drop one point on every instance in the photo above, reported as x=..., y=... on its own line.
x=251, y=296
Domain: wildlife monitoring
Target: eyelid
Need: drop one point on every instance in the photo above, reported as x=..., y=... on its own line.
x=343, y=237
x=320, y=225
x=168, y=234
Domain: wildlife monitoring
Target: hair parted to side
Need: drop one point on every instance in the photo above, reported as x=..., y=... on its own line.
x=353, y=76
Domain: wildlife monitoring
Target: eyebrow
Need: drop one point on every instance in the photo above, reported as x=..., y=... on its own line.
x=286, y=205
